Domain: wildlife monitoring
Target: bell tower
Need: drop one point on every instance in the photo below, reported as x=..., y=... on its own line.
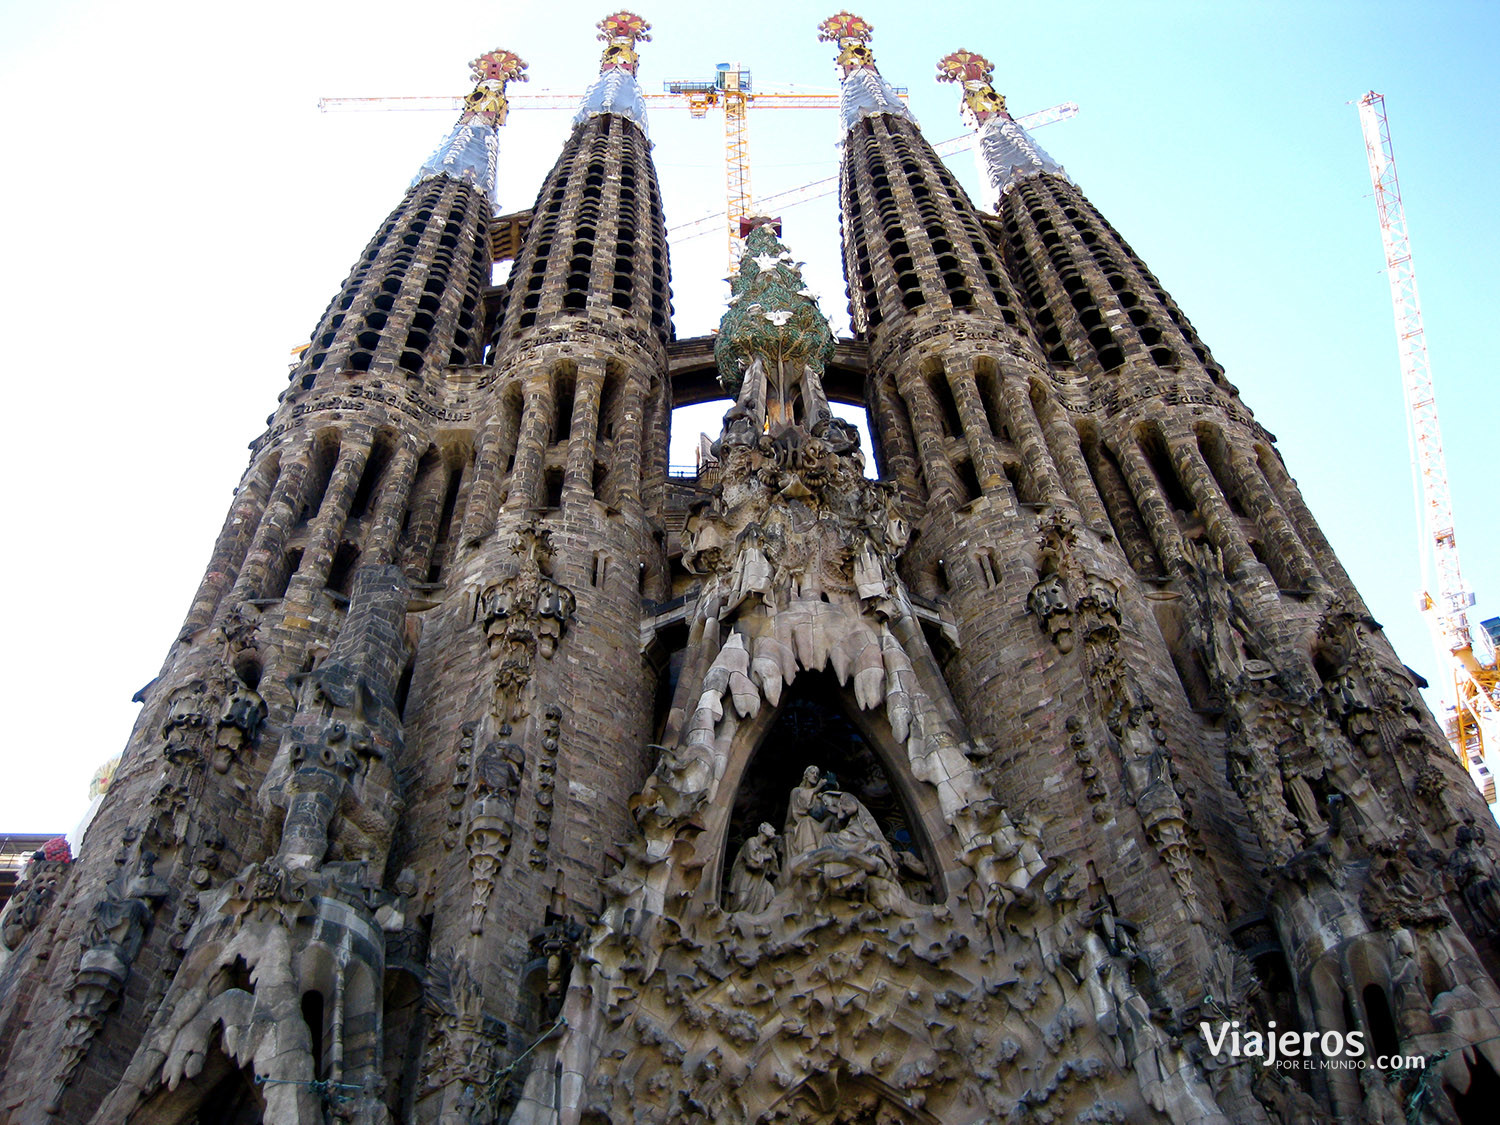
x=499, y=774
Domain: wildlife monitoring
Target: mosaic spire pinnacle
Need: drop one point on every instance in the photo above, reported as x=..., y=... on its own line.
x=864, y=91
x=471, y=150
x=773, y=331
x=972, y=72
x=615, y=90
x=620, y=33
x=1006, y=154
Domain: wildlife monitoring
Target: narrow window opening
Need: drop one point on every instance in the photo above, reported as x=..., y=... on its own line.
x=403, y=688
x=1154, y=446
x=445, y=524
x=948, y=408
x=290, y=561
x=375, y=466
x=554, y=486
x=564, y=409
x=1186, y=660
x=1017, y=480
x=312, y=1015
x=968, y=478
x=341, y=573
x=1379, y=1022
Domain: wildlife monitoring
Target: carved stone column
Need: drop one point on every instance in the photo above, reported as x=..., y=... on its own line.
x=328, y=526
x=1153, y=506
x=1278, y=530
x=981, y=441
x=1067, y=455
x=426, y=510
x=628, y=440
x=1033, y=446
x=233, y=545
x=1222, y=524
x=280, y=514
x=390, y=507
x=479, y=513
x=578, y=477
x=942, y=482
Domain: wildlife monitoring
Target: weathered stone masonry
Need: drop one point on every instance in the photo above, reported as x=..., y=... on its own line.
x=496, y=776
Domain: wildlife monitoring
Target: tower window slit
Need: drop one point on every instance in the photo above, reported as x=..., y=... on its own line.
x=1120, y=505
x=445, y=523
x=291, y=559
x=1154, y=447
x=564, y=409
x=948, y=415
x=341, y=573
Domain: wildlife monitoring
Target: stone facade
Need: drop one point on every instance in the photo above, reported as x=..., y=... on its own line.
x=497, y=776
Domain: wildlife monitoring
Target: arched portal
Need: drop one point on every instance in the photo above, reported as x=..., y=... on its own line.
x=234, y=1100
x=837, y=1098
x=219, y=1094
x=813, y=727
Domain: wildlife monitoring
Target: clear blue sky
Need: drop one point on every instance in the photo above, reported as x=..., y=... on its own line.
x=180, y=213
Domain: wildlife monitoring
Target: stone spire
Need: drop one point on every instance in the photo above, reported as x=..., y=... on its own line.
x=773, y=341
x=615, y=91
x=864, y=91
x=1006, y=153
x=471, y=150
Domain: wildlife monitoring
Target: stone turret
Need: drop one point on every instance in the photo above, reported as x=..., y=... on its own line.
x=498, y=776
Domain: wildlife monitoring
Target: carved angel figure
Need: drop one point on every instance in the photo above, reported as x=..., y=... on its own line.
x=805, y=811
x=752, y=880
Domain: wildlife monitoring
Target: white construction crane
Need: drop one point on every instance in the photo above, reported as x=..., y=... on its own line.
x=1468, y=656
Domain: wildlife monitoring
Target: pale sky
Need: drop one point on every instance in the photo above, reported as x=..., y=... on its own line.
x=181, y=212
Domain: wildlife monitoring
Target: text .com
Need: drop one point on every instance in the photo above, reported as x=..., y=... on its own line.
x=1292, y=1050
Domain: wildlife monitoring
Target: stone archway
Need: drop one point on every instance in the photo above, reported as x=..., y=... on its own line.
x=836, y=1098
x=812, y=728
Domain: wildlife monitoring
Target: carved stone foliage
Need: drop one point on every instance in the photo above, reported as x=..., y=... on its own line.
x=333, y=784
x=116, y=929
x=42, y=881
x=796, y=548
x=523, y=613
x=461, y=1036
x=1357, y=892
x=312, y=915
x=842, y=1002
x=214, y=717
x=772, y=332
x=826, y=992
x=1074, y=597
x=546, y=785
x=491, y=818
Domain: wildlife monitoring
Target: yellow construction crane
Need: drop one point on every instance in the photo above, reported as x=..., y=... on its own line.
x=817, y=189
x=1468, y=655
x=732, y=89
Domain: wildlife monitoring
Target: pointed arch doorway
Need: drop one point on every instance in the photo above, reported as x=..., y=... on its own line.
x=817, y=724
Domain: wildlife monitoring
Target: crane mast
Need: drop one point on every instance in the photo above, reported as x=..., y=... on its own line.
x=1469, y=657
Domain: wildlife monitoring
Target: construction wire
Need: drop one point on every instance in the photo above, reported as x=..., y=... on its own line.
x=499, y=1077
x=1424, y=1091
